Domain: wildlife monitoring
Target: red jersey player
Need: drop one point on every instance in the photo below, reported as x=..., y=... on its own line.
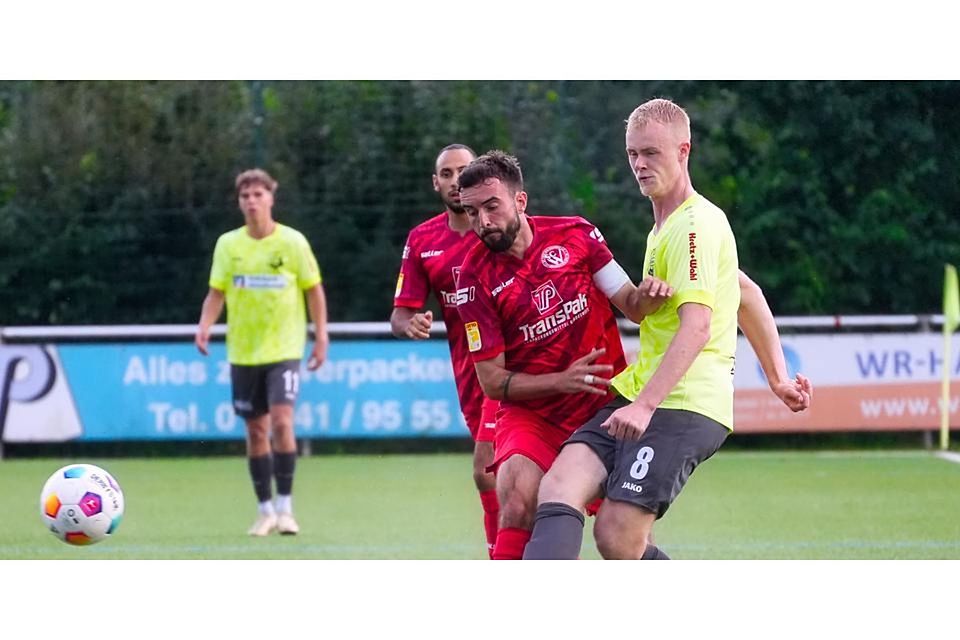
x=539, y=325
x=431, y=262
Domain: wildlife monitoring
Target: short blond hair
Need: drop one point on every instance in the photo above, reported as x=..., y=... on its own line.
x=663, y=111
x=256, y=176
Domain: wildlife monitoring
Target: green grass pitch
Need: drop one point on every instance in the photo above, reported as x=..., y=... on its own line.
x=738, y=505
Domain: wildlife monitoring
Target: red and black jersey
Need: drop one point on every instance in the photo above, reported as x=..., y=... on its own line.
x=431, y=261
x=543, y=311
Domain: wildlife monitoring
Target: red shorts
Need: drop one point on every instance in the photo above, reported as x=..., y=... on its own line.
x=525, y=432
x=484, y=430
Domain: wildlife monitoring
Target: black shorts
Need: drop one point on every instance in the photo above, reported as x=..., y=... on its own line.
x=257, y=387
x=651, y=471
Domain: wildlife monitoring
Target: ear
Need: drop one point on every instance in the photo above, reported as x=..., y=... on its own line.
x=436, y=183
x=521, y=200
x=684, y=151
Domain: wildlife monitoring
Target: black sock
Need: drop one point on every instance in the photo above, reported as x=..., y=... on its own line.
x=653, y=553
x=261, y=471
x=557, y=533
x=283, y=466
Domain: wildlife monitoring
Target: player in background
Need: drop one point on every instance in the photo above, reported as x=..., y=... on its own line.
x=674, y=405
x=542, y=333
x=431, y=263
x=262, y=271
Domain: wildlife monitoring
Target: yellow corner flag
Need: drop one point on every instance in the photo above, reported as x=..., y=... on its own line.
x=951, y=300
x=951, y=320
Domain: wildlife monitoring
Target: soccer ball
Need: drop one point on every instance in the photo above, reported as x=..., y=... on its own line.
x=81, y=504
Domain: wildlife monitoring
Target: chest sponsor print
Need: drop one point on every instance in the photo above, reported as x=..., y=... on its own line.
x=259, y=281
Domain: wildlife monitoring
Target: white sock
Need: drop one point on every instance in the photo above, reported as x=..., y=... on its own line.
x=284, y=504
x=265, y=508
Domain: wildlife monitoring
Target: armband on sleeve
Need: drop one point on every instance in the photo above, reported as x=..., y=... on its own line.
x=610, y=278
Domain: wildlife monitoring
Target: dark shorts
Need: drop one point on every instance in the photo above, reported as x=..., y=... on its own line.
x=257, y=387
x=650, y=472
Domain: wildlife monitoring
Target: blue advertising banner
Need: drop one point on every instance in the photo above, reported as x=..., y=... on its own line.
x=169, y=391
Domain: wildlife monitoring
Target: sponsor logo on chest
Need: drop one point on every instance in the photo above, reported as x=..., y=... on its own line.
x=569, y=312
x=259, y=281
x=459, y=296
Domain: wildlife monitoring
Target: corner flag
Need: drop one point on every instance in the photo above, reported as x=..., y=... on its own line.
x=951, y=300
x=951, y=320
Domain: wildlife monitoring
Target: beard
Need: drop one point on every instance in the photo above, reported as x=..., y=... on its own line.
x=453, y=205
x=499, y=241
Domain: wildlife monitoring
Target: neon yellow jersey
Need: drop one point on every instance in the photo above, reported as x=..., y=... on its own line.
x=695, y=252
x=263, y=282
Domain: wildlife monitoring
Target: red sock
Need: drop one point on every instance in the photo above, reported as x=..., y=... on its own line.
x=491, y=513
x=510, y=543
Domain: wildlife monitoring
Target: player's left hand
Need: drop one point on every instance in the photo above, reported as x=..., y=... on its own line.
x=319, y=354
x=629, y=422
x=796, y=394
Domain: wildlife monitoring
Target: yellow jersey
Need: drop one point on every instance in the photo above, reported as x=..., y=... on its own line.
x=695, y=252
x=263, y=282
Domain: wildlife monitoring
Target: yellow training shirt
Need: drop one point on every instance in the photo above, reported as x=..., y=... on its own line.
x=263, y=281
x=695, y=252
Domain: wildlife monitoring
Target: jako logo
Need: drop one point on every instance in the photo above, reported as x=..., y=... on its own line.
x=631, y=487
x=693, y=256
x=41, y=374
x=546, y=297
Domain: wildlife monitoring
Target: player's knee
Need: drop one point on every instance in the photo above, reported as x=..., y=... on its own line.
x=482, y=458
x=281, y=423
x=258, y=431
x=553, y=489
x=484, y=481
x=517, y=511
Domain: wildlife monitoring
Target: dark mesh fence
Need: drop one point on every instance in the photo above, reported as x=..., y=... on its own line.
x=112, y=194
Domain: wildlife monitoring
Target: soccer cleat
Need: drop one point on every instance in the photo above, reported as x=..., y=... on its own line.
x=286, y=524
x=265, y=525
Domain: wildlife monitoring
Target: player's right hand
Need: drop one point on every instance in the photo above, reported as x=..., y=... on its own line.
x=419, y=326
x=202, y=339
x=582, y=376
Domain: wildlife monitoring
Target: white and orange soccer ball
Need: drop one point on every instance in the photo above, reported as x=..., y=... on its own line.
x=81, y=504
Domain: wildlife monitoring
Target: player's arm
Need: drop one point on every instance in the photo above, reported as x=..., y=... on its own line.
x=500, y=384
x=638, y=302
x=631, y=421
x=209, y=312
x=410, y=323
x=635, y=302
x=758, y=325
x=317, y=305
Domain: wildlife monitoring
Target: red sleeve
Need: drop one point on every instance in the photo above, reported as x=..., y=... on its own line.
x=480, y=319
x=413, y=287
x=598, y=253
